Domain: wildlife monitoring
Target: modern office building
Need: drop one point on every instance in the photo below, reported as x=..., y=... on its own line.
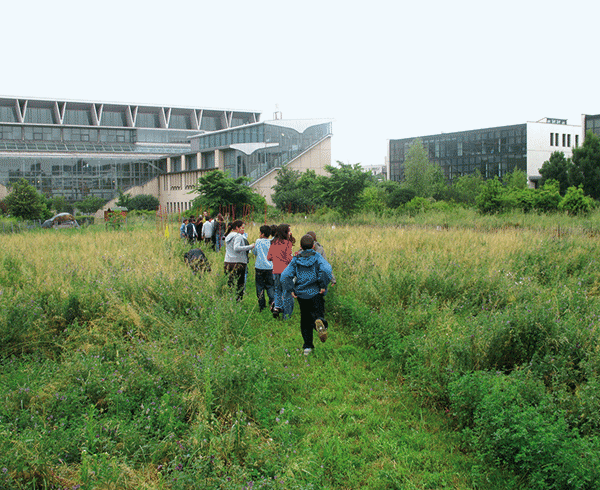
x=77, y=149
x=495, y=152
x=256, y=151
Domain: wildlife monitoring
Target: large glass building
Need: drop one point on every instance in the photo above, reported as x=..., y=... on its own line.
x=495, y=152
x=77, y=149
x=255, y=151
x=252, y=151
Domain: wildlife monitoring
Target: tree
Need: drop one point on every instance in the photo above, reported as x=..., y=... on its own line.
x=373, y=199
x=438, y=188
x=90, y=204
x=295, y=191
x=556, y=168
x=585, y=170
x=517, y=179
x=344, y=187
x=144, y=202
x=467, y=187
x=26, y=202
x=421, y=175
x=61, y=205
x=124, y=200
x=215, y=190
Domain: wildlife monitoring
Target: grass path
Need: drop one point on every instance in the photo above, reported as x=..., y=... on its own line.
x=351, y=423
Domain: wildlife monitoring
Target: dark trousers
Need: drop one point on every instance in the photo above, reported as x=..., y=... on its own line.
x=236, y=272
x=311, y=309
x=264, y=285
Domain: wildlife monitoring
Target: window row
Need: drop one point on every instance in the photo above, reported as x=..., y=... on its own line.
x=65, y=135
x=557, y=138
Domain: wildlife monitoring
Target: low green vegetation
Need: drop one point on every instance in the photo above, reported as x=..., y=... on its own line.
x=463, y=354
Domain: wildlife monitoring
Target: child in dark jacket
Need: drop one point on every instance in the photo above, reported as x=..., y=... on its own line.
x=313, y=274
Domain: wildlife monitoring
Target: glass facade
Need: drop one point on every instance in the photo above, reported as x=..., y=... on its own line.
x=76, y=178
x=253, y=150
x=493, y=151
x=592, y=123
x=76, y=149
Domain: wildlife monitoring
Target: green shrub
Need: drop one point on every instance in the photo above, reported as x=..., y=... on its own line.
x=510, y=420
x=575, y=202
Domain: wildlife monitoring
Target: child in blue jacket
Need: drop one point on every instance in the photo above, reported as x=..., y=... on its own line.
x=264, y=269
x=312, y=274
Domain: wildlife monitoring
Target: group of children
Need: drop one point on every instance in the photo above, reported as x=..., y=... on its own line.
x=203, y=229
x=282, y=276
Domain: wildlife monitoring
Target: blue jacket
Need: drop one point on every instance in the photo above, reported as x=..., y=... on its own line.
x=311, y=271
x=261, y=249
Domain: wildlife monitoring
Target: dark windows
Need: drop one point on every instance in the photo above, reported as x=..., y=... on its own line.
x=113, y=118
x=494, y=151
x=147, y=120
x=180, y=121
x=8, y=114
x=39, y=115
x=79, y=117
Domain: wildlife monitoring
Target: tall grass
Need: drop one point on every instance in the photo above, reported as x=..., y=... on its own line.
x=448, y=345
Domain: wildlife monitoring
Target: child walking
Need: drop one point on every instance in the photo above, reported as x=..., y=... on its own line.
x=280, y=254
x=263, y=269
x=236, y=257
x=312, y=274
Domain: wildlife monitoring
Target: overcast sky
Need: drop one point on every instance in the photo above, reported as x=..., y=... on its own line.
x=380, y=69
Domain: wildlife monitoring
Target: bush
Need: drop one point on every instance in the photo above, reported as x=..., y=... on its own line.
x=548, y=197
x=575, y=202
x=494, y=198
x=510, y=420
x=418, y=205
x=143, y=202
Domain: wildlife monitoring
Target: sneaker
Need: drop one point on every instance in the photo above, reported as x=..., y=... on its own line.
x=321, y=330
x=307, y=352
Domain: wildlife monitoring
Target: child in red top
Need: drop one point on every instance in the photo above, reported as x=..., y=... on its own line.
x=280, y=253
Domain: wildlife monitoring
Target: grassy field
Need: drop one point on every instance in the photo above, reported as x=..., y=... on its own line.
x=458, y=357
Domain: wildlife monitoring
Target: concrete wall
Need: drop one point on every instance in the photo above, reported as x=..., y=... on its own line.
x=174, y=189
x=538, y=143
x=149, y=188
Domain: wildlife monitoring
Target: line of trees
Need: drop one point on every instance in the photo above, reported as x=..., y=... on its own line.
x=567, y=184
x=571, y=185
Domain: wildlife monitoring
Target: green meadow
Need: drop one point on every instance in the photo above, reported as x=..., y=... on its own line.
x=462, y=354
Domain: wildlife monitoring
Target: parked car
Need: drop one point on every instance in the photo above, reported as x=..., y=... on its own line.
x=61, y=220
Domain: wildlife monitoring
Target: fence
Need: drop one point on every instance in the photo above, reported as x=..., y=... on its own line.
x=19, y=226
